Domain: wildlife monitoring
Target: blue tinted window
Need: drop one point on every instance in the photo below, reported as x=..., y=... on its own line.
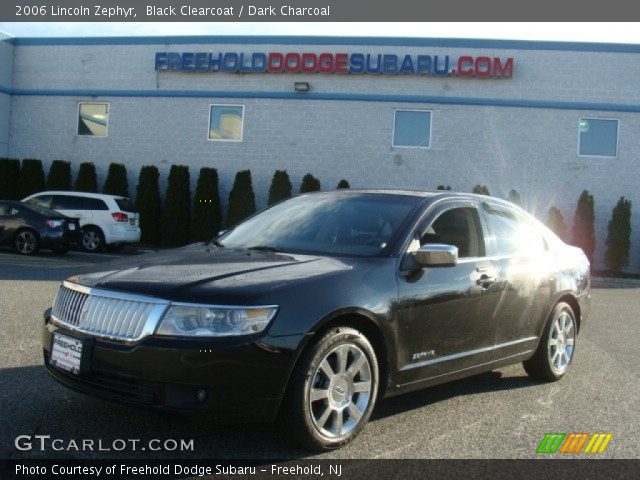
x=598, y=137
x=412, y=128
x=225, y=122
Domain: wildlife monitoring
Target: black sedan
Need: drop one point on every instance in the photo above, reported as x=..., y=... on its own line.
x=27, y=228
x=315, y=308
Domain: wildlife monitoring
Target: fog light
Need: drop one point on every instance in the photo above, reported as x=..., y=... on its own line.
x=201, y=395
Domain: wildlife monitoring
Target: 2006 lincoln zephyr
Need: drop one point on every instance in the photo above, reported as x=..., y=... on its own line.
x=315, y=308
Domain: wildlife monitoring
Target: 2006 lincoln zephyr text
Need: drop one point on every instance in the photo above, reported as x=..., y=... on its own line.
x=315, y=308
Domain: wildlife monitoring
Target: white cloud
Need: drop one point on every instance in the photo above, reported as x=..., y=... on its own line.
x=581, y=32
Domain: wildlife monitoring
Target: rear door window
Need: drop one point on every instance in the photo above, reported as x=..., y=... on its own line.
x=71, y=202
x=125, y=205
x=513, y=234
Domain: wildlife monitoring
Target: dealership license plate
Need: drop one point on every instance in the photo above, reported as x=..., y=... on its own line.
x=66, y=353
x=72, y=226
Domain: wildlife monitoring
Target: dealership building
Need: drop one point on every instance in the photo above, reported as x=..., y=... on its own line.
x=547, y=119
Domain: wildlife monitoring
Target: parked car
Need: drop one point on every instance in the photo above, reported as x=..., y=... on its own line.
x=315, y=308
x=28, y=228
x=107, y=221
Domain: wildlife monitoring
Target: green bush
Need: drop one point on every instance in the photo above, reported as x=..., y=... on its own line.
x=116, y=182
x=309, y=184
x=618, y=240
x=555, y=221
x=242, y=201
x=59, y=177
x=583, y=225
x=514, y=197
x=343, y=184
x=280, y=188
x=206, y=220
x=87, y=180
x=148, y=205
x=9, y=175
x=442, y=187
x=175, y=216
x=481, y=190
x=31, y=178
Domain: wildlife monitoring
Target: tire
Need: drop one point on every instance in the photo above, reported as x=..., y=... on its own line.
x=115, y=247
x=61, y=250
x=555, y=352
x=92, y=239
x=315, y=424
x=26, y=242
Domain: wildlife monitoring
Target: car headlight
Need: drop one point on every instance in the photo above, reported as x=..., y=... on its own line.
x=214, y=321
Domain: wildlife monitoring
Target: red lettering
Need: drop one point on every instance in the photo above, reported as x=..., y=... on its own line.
x=483, y=67
x=325, y=64
x=341, y=63
x=463, y=71
x=292, y=62
x=274, y=67
x=309, y=63
x=505, y=71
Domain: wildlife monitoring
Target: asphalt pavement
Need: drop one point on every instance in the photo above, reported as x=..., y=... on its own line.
x=501, y=414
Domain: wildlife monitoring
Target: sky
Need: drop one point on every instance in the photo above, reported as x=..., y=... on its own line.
x=557, y=31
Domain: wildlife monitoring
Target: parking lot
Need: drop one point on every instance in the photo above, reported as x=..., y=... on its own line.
x=501, y=414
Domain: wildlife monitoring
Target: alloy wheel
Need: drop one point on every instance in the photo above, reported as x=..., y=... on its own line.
x=26, y=242
x=561, y=342
x=340, y=391
x=91, y=240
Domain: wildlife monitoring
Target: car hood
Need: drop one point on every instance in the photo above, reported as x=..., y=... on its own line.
x=205, y=273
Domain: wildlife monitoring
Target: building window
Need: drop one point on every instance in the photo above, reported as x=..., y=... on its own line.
x=93, y=119
x=412, y=128
x=225, y=123
x=598, y=137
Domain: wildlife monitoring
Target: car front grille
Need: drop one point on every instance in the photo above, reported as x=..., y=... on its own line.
x=108, y=314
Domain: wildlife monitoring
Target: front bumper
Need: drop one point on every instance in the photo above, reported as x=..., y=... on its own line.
x=241, y=378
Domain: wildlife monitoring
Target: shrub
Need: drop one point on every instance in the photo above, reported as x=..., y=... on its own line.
x=555, y=221
x=87, y=180
x=31, y=178
x=280, y=188
x=309, y=184
x=116, y=182
x=442, y=187
x=242, y=201
x=583, y=225
x=148, y=205
x=206, y=220
x=175, y=217
x=59, y=177
x=343, y=184
x=481, y=190
x=9, y=175
x=514, y=197
x=618, y=240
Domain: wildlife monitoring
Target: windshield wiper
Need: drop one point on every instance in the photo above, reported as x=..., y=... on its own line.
x=264, y=248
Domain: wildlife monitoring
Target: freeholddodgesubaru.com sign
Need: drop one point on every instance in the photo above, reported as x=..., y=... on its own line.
x=338, y=63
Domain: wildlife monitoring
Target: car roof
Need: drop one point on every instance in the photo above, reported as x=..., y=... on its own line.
x=416, y=193
x=76, y=194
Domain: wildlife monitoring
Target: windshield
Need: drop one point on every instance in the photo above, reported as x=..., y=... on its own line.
x=347, y=224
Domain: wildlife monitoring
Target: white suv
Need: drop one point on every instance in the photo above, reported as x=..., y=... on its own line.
x=107, y=221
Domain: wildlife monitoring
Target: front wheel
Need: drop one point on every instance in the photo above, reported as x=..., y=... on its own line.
x=332, y=391
x=557, y=346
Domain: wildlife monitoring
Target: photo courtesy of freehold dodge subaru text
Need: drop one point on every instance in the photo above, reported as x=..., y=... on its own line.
x=319, y=240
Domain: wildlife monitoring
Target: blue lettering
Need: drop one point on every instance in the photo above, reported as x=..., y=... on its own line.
x=259, y=62
x=356, y=63
x=390, y=64
x=424, y=64
x=214, y=63
x=201, y=63
x=375, y=69
x=174, y=61
x=407, y=65
x=444, y=71
x=161, y=60
x=230, y=63
x=188, y=61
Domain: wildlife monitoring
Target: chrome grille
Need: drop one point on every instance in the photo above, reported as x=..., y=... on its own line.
x=106, y=314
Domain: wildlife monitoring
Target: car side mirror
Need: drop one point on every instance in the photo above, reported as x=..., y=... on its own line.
x=436, y=255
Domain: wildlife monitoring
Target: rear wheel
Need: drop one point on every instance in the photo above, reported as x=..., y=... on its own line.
x=92, y=239
x=26, y=242
x=557, y=346
x=332, y=391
